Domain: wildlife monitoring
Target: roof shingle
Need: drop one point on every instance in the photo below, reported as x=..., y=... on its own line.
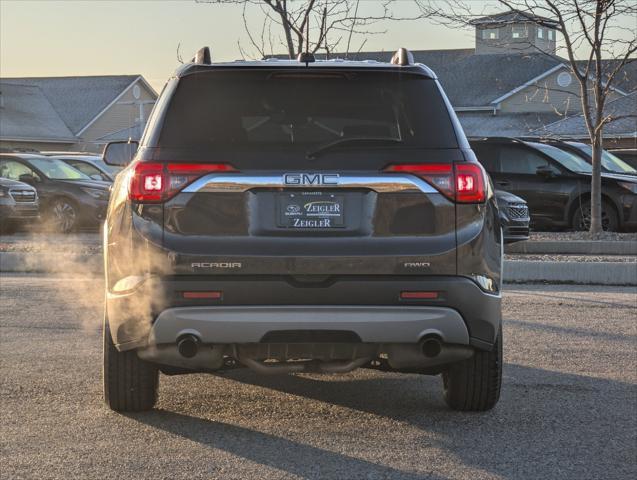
x=623, y=108
x=78, y=99
x=27, y=114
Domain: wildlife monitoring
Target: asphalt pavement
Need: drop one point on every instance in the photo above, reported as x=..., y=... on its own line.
x=568, y=408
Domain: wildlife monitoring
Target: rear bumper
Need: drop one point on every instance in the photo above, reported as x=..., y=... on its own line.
x=371, y=324
x=369, y=306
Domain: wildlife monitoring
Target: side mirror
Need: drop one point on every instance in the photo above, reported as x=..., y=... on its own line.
x=27, y=178
x=546, y=172
x=120, y=154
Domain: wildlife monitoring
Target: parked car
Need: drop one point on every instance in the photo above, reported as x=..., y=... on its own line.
x=610, y=163
x=514, y=216
x=628, y=155
x=556, y=184
x=90, y=165
x=278, y=219
x=18, y=204
x=68, y=197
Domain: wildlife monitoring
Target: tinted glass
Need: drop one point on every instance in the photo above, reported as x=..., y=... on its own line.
x=487, y=155
x=86, y=168
x=57, y=169
x=610, y=162
x=520, y=160
x=264, y=111
x=12, y=170
x=113, y=170
x=567, y=159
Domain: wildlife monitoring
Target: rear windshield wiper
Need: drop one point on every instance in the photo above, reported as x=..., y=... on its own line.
x=312, y=154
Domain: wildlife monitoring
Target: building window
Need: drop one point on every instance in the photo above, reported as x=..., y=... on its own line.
x=540, y=32
x=551, y=35
x=490, y=34
x=518, y=31
x=564, y=79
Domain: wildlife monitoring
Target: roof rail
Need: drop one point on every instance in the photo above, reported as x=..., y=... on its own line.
x=402, y=57
x=202, y=56
x=305, y=57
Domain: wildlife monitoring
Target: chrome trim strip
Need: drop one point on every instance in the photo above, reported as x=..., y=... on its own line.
x=381, y=183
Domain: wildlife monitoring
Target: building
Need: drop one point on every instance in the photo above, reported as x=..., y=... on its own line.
x=620, y=132
x=72, y=113
x=515, y=32
x=511, y=83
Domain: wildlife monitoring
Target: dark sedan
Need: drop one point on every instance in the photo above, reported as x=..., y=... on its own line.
x=68, y=198
x=556, y=184
x=18, y=204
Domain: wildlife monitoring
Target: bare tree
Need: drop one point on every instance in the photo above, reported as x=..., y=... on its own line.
x=592, y=30
x=312, y=25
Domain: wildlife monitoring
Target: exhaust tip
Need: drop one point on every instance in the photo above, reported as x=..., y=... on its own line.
x=188, y=345
x=431, y=347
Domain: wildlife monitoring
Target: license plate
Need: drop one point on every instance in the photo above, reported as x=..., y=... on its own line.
x=310, y=210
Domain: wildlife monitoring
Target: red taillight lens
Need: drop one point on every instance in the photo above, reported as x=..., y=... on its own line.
x=470, y=183
x=198, y=295
x=157, y=182
x=461, y=182
x=418, y=295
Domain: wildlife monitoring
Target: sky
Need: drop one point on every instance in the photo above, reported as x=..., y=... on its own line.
x=76, y=37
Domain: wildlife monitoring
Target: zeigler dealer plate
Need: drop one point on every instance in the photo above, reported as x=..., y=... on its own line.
x=315, y=210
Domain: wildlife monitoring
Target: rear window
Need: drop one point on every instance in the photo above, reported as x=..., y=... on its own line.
x=302, y=111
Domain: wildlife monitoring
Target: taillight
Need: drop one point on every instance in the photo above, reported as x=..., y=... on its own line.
x=157, y=182
x=470, y=183
x=460, y=182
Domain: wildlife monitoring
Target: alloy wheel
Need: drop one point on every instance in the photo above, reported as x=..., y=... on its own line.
x=64, y=216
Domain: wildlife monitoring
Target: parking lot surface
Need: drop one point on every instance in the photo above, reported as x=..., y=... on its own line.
x=568, y=407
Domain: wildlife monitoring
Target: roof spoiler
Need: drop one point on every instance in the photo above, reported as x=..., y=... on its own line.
x=402, y=57
x=202, y=56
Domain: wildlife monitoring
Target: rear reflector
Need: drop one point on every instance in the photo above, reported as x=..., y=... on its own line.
x=157, y=182
x=200, y=295
x=418, y=295
x=461, y=182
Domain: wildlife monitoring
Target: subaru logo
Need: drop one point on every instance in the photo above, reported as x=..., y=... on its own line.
x=310, y=179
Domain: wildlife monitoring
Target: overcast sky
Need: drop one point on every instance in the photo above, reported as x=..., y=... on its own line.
x=57, y=38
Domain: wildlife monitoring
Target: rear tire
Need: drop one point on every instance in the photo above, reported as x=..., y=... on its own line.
x=130, y=384
x=474, y=384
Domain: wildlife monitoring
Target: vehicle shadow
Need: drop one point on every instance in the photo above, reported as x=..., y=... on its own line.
x=290, y=456
x=547, y=424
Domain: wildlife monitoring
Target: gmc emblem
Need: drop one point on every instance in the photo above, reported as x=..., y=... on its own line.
x=310, y=178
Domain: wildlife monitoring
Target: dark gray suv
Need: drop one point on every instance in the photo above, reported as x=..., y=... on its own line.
x=302, y=217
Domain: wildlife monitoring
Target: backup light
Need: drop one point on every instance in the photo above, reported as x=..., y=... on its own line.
x=153, y=182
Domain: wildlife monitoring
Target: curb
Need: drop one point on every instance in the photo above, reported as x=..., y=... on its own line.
x=583, y=247
x=584, y=273
x=515, y=271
